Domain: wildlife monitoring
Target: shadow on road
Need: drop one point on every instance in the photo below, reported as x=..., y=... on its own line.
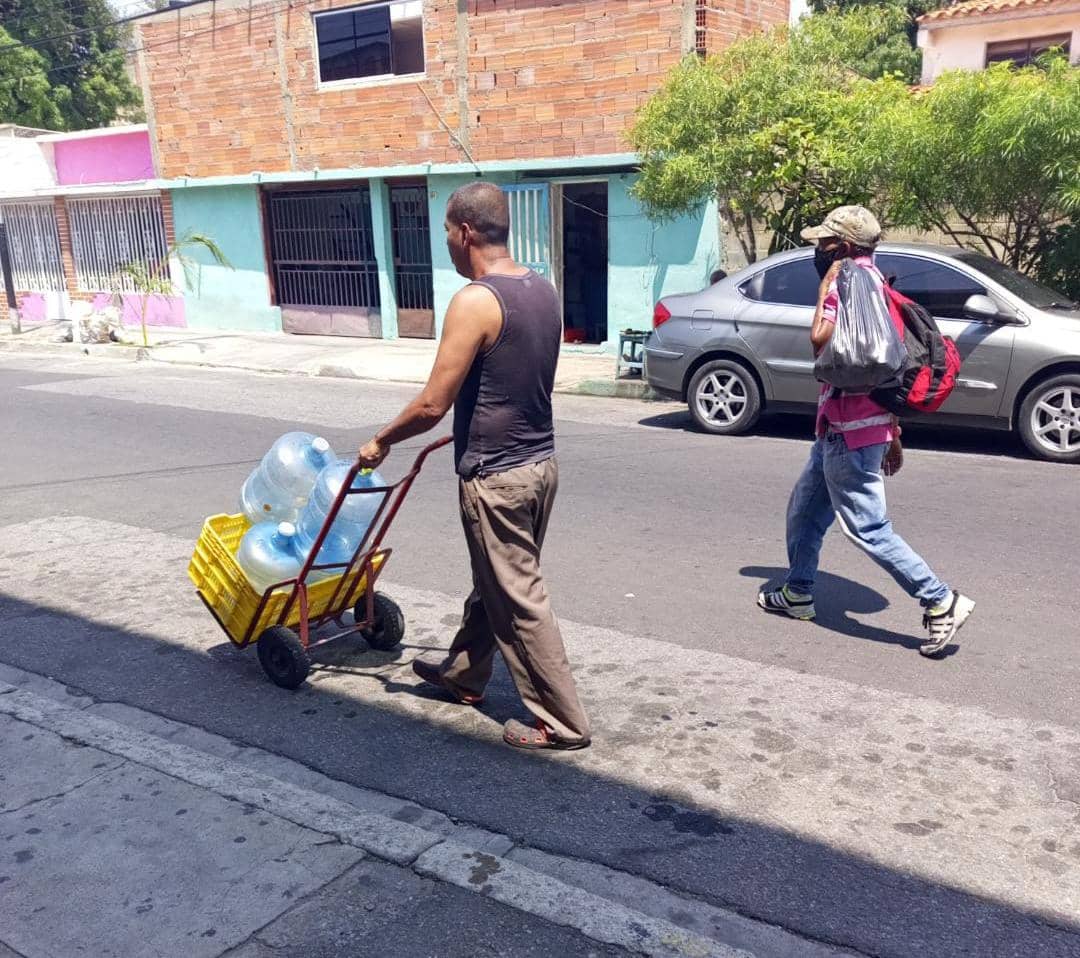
x=557, y=803
x=837, y=599
x=981, y=442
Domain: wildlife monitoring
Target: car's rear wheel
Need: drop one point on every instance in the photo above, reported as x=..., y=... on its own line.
x=1049, y=419
x=724, y=398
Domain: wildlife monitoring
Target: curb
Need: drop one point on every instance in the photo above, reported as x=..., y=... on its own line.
x=472, y=859
x=602, y=388
x=613, y=389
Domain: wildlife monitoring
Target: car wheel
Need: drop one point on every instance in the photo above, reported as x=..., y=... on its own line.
x=724, y=398
x=1050, y=419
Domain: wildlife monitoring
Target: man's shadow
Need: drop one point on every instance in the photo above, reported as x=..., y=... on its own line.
x=836, y=599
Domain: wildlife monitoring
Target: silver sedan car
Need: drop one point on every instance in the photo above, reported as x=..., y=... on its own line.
x=742, y=345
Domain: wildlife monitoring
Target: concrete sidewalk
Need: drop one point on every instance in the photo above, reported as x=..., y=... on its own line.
x=125, y=833
x=581, y=372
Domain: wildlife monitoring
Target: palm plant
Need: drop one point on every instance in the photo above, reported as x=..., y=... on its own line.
x=154, y=278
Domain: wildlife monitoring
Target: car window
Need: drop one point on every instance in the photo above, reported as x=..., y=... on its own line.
x=1023, y=286
x=794, y=283
x=940, y=289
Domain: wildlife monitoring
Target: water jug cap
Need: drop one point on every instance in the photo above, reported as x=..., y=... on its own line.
x=286, y=529
x=320, y=445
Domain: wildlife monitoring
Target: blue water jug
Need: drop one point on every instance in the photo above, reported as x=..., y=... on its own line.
x=279, y=486
x=268, y=554
x=353, y=520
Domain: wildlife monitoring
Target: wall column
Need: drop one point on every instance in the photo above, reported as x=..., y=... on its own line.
x=383, y=241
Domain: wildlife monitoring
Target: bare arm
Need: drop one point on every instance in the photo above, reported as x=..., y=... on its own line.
x=473, y=322
x=822, y=329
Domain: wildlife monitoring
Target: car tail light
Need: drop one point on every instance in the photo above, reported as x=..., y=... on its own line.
x=661, y=314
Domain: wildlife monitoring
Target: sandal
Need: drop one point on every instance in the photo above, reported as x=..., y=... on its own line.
x=431, y=675
x=537, y=736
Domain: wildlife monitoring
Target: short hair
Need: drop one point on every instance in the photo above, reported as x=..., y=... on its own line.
x=485, y=208
x=717, y=275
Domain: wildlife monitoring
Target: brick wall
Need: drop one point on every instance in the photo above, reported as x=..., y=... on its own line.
x=233, y=87
x=719, y=22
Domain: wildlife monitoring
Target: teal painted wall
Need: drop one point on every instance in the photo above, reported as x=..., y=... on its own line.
x=646, y=260
x=446, y=278
x=649, y=260
x=219, y=297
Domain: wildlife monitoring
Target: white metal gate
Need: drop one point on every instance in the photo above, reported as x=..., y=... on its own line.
x=530, y=228
x=111, y=232
x=34, y=244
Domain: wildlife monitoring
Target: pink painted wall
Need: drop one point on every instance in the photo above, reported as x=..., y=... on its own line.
x=160, y=311
x=32, y=308
x=111, y=158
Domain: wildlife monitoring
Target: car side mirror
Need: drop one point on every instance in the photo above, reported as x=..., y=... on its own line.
x=982, y=307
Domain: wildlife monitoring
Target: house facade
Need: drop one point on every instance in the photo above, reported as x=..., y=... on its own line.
x=76, y=208
x=973, y=34
x=318, y=142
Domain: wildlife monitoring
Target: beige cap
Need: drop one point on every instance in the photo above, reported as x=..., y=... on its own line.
x=856, y=224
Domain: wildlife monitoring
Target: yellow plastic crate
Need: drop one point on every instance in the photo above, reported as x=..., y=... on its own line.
x=222, y=583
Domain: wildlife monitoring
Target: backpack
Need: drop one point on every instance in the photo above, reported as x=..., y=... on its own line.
x=929, y=373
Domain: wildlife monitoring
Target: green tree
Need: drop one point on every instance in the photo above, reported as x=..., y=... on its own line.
x=75, y=47
x=991, y=158
x=26, y=94
x=766, y=127
x=897, y=53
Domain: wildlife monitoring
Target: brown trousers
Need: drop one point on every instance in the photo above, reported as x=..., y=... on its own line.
x=505, y=517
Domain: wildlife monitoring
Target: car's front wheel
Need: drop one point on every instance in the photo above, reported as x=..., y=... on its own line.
x=1049, y=419
x=724, y=398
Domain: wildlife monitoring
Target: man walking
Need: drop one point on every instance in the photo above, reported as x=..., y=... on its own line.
x=496, y=366
x=857, y=440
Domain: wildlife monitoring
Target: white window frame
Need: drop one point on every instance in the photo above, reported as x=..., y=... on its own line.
x=380, y=79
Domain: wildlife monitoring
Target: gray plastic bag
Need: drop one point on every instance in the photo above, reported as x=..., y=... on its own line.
x=865, y=350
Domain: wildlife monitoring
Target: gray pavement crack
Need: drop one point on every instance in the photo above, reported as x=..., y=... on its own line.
x=64, y=792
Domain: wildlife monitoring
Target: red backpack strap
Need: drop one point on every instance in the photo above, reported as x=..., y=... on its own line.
x=896, y=301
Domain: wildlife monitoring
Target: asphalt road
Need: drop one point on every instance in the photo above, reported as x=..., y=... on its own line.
x=823, y=777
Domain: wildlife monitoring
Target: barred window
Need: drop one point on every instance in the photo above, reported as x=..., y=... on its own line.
x=34, y=246
x=108, y=233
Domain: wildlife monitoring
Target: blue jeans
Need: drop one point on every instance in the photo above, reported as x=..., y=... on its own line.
x=847, y=483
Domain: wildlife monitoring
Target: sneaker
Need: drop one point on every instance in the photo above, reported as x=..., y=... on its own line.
x=785, y=602
x=944, y=621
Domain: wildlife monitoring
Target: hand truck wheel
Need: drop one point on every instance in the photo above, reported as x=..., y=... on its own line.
x=388, y=628
x=283, y=657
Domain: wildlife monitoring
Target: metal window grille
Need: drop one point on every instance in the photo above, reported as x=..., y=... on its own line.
x=34, y=244
x=109, y=233
x=323, y=250
x=530, y=233
x=411, y=227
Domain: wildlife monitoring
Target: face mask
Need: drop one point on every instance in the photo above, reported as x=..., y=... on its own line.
x=823, y=259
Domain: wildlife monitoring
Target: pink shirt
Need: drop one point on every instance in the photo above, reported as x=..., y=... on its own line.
x=847, y=412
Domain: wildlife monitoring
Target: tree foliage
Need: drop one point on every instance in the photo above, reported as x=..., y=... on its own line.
x=764, y=127
x=72, y=58
x=25, y=90
x=896, y=54
x=991, y=158
x=782, y=127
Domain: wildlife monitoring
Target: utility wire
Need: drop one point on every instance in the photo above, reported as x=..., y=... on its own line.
x=34, y=44
x=214, y=28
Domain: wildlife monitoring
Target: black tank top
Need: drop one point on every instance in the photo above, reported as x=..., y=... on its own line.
x=502, y=416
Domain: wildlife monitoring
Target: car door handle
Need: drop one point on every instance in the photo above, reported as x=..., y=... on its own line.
x=976, y=384
x=701, y=319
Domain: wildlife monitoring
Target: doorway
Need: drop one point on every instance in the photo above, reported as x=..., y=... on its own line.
x=410, y=225
x=584, y=261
